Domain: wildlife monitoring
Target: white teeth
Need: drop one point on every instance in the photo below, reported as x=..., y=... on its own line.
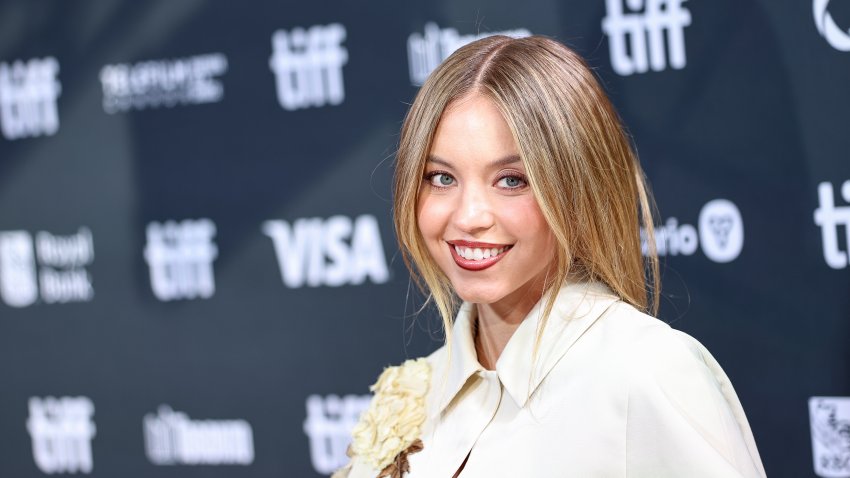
x=478, y=254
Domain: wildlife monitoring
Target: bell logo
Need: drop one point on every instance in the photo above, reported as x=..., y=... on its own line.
x=330, y=252
x=834, y=35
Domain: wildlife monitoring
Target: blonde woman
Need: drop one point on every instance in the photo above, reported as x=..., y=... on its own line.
x=517, y=192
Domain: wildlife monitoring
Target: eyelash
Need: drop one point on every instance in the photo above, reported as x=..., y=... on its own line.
x=429, y=177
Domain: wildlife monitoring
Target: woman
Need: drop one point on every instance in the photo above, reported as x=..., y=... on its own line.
x=517, y=191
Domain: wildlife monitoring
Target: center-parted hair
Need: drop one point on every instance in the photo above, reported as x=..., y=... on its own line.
x=579, y=160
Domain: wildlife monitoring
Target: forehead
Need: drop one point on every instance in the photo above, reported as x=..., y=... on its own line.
x=472, y=129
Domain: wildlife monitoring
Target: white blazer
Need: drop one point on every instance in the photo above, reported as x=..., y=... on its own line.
x=612, y=392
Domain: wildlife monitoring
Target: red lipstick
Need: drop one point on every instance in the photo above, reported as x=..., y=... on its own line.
x=477, y=265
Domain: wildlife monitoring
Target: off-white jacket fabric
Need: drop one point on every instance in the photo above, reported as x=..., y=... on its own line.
x=612, y=393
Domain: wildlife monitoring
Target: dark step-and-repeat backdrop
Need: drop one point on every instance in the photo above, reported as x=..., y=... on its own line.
x=198, y=274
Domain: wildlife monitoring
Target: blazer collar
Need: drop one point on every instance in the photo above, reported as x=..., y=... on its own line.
x=576, y=308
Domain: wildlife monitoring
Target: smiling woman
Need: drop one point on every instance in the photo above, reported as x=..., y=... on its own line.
x=517, y=192
x=478, y=216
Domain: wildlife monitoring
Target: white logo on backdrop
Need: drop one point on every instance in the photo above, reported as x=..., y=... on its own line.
x=830, y=218
x=426, y=52
x=308, y=66
x=721, y=233
x=149, y=84
x=28, y=98
x=61, y=430
x=180, y=256
x=329, y=423
x=18, y=276
x=637, y=39
x=834, y=35
x=721, y=230
x=331, y=252
x=55, y=265
x=830, y=424
x=171, y=438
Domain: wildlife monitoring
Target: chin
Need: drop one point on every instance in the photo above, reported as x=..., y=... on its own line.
x=484, y=294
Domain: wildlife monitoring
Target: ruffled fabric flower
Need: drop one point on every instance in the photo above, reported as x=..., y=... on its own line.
x=389, y=429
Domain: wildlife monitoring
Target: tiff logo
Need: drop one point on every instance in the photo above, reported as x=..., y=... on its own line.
x=180, y=256
x=28, y=98
x=636, y=40
x=830, y=218
x=329, y=423
x=61, y=431
x=308, y=66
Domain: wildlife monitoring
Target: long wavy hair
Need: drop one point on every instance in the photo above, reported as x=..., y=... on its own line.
x=581, y=165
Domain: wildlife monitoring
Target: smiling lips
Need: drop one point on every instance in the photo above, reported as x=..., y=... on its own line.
x=476, y=256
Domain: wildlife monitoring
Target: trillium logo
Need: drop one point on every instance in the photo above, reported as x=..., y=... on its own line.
x=720, y=233
x=838, y=38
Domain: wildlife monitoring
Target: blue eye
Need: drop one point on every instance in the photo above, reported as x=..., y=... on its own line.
x=511, y=182
x=441, y=179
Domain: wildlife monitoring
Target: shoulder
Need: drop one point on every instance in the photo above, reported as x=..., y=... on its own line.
x=660, y=359
x=679, y=398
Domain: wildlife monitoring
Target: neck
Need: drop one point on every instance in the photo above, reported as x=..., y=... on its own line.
x=496, y=323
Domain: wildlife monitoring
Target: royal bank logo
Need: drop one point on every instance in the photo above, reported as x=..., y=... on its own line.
x=425, y=51
x=47, y=266
x=307, y=64
x=719, y=230
x=328, y=252
x=155, y=83
x=328, y=426
x=172, y=438
x=29, y=93
x=180, y=257
x=62, y=430
x=830, y=425
x=830, y=218
x=828, y=29
x=650, y=35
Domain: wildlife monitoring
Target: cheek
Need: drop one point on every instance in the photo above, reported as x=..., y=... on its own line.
x=432, y=216
x=526, y=220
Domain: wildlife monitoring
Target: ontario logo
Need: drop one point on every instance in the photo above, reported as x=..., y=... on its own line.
x=719, y=232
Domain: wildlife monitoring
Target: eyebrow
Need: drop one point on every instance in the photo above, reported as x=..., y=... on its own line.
x=513, y=158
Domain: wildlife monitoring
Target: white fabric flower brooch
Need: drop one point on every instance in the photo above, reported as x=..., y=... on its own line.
x=389, y=429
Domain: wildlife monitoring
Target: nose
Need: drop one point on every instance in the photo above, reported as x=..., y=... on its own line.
x=474, y=212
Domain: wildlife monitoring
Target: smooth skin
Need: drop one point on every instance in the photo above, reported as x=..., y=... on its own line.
x=475, y=190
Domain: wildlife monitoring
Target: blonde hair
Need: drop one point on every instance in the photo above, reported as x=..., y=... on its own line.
x=581, y=166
